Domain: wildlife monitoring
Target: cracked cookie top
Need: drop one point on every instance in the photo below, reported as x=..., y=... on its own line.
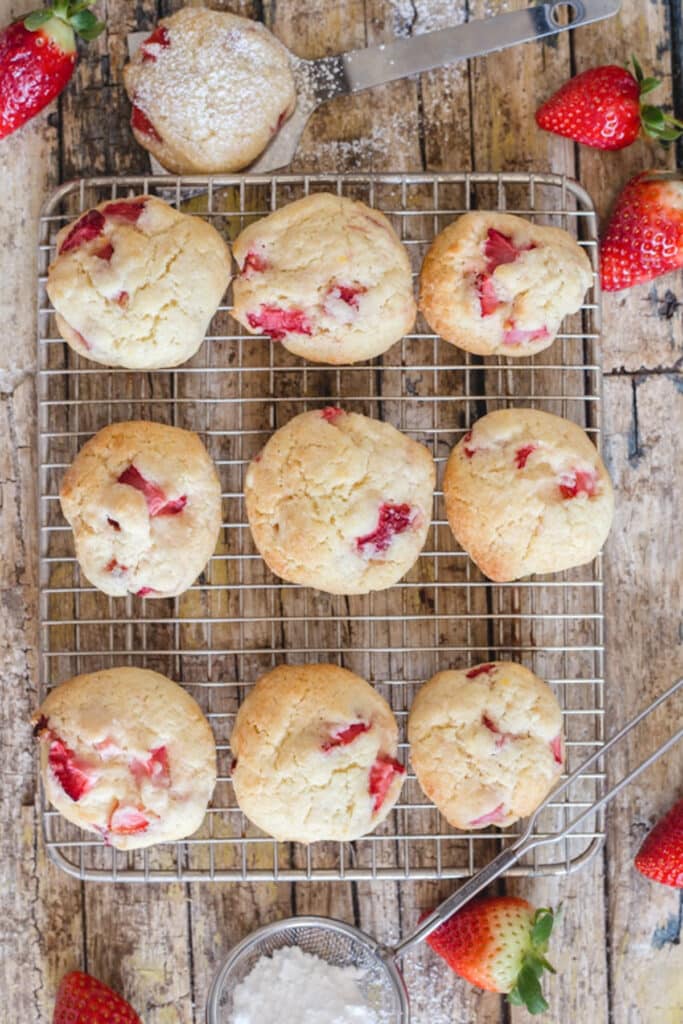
x=314, y=750
x=144, y=502
x=527, y=492
x=496, y=284
x=340, y=502
x=128, y=754
x=486, y=743
x=135, y=283
x=327, y=277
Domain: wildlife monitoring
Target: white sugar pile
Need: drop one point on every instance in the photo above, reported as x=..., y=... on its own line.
x=293, y=986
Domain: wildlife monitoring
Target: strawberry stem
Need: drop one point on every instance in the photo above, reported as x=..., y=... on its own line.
x=527, y=990
x=74, y=13
x=655, y=122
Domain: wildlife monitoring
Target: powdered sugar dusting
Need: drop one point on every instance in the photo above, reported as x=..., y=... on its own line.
x=292, y=985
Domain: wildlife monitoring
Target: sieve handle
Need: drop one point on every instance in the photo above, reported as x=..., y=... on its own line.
x=528, y=840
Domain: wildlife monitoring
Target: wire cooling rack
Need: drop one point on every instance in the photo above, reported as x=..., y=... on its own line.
x=239, y=620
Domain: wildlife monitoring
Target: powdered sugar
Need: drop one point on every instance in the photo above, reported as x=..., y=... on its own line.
x=292, y=985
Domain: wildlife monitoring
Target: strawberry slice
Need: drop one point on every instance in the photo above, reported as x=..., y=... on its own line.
x=114, y=567
x=343, y=737
x=277, y=322
x=331, y=413
x=37, y=59
x=89, y=226
x=492, y=817
x=516, y=336
x=159, y=38
x=393, y=519
x=126, y=209
x=105, y=253
x=382, y=774
x=503, y=737
x=469, y=452
x=500, y=249
x=155, y=767
x=480, y=670
x=141, y=123
x=660, y=858
x=253, y=264
x=522, y=455
x=345, y=293
x=486, y=291
x=82, y=999
x=578, y=481
x=72, y=774
x=144, y=591
x=127, y=821
x=157, y=503
x=557, y=749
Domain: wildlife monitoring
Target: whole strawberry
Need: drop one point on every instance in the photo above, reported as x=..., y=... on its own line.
x=644, y=236
x=85, y=1000
x=499, y=943
x=37, y=59
x=660, y=858
x=603, y=107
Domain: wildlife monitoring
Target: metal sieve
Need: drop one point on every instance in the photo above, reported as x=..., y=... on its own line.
x=344, y=945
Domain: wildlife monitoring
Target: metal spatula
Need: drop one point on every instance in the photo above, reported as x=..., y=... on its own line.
x=320, y=80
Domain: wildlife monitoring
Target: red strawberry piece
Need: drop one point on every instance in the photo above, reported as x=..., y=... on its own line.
x=503, y=737
x=500, y=249
x=382, y=774
x=280, y=121
x=106, y=252
x=557, y=748
x=486, y=291
x=154, y=767
x=498, y=943
x=516, y=336
x=141, y=123
x=522, y=455
x=277, y=323
x=126, y=209
x=37, y=59
x=469, y=452
x=491, y=817
x=122, y=300
x=331, y=413
x=82, y=999
x=644, y=236
x=115, y=568
x=602, y=107
x=72, y=774
x=127, y=821
x=157, y=502
x=159, y=38
x=253, y=264
x=578, y=481
x=480, y=670
x=144, y=591
x=660, y=858
x=393, y=519
x=342, y=737
x=87, y=227
x=113, y=522
x=346, y=293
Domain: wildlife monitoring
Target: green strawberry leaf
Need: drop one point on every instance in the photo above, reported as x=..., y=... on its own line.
x=36, y=19
x=648, y=84
x=529, y=989
x=86, y=24
x=637, y=68
x=543, y=922
x=652, y=116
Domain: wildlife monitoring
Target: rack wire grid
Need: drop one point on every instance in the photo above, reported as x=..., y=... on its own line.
x=239, y=620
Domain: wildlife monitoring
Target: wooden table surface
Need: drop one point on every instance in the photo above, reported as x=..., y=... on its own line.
x=618, y=945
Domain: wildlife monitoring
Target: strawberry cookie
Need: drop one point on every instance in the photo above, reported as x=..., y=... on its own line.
x=144, y=502
x=486, y=743
x=135, y=283
x=314, y=750
x=340, y=502
x=209, y=91
x=527, y=492
x=496, y=284
x=328, y=277
x=128, y=754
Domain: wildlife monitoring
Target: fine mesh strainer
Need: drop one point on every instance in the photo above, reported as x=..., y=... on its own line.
x=379, y=978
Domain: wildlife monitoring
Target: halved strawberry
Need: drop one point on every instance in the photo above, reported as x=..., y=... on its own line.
x=499, y=943
x=382, y=774
x=157, y=502
x=660, y=858
x=392, y=519
x=82, y=999
x=38, y=57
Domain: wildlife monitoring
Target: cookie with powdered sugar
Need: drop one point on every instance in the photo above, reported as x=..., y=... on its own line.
x=326, y=276
x=314, y=750
x=144, y=502
x=486, y=743
x=496, y=284
x=209, y=90
x=128, y=754
x=340, y=502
